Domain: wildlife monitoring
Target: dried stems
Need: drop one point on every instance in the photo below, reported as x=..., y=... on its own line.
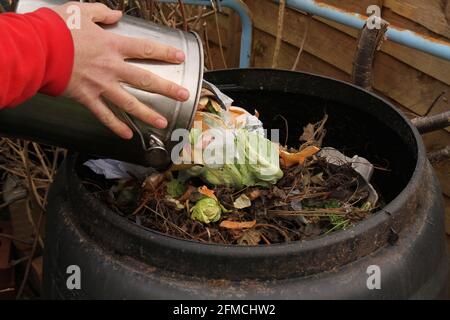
x=302, y=45
x=282, y=8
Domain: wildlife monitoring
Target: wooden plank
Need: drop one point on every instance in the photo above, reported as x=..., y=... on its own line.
x=433, y=14
x=447, y=11
x=216, y=57
x=402, y=83
x=442, y=105
x=233, y=40
x=405, y=23
x=435, y=67
x=263, y=49
x=212, y=29
x=358, y=6
x=321, y=41
x=406, y=85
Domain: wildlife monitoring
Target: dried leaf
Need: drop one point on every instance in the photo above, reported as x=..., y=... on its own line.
x=318, y=179
x=174, y=203
x=227, y=224
x=277, y=192
x=250, y=237
x=308, y=133
x=254, y=194
x=153, y=182
x=207, y=192
x=242, y=202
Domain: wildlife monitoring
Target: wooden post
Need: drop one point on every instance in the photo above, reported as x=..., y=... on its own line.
x=369, y=42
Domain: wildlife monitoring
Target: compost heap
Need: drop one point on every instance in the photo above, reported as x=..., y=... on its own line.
x=263, y=194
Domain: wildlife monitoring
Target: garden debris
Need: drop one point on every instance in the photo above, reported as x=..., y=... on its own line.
x=114, y=169
x=153, y=182
x=313, y=134
x=207, y=192
x=288, y=159
x=228, y=224
x=242, y=202
x=298, y=194
x=250, y=237
x=360, y=164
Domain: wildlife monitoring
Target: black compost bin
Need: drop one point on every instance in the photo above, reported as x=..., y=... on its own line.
x=405, y=240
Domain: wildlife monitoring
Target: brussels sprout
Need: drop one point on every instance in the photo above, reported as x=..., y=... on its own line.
x=206, y=210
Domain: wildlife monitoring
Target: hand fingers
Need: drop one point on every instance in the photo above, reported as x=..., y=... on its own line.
x=102, y=14
x=107, y=117
x=133, y=106
x=135, y=48
x=145, y=80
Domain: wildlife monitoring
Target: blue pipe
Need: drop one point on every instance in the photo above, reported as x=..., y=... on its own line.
x=408, y=38
x=247, y=26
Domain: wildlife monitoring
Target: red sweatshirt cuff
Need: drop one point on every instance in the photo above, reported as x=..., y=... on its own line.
x=36, y=54
x=60, y=50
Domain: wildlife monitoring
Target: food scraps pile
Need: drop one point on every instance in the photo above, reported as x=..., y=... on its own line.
x=231, y=185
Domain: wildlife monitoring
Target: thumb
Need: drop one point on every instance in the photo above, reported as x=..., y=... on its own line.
x=102, y=14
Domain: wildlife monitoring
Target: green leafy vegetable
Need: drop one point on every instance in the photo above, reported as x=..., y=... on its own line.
x=206, y=210
x=252, y=161
x=175, y=188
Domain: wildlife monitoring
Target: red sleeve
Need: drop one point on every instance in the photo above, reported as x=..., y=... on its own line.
x=36, y=55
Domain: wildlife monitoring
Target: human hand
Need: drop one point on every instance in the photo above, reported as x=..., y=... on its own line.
x=100, y=68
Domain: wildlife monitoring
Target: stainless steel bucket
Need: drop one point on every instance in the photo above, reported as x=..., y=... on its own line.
x=65, y=123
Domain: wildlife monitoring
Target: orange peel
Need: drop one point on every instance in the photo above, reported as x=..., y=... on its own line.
x=289, y=159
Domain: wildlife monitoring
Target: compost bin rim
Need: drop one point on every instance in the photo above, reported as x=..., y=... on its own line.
x=377, y=218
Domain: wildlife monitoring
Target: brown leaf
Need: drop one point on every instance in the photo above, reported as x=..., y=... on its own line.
x=277, y=192
x=318, y=179
x=153, y=182
x=227, y=224
x=250, y=237
x=254, y=194
x=308, y=133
